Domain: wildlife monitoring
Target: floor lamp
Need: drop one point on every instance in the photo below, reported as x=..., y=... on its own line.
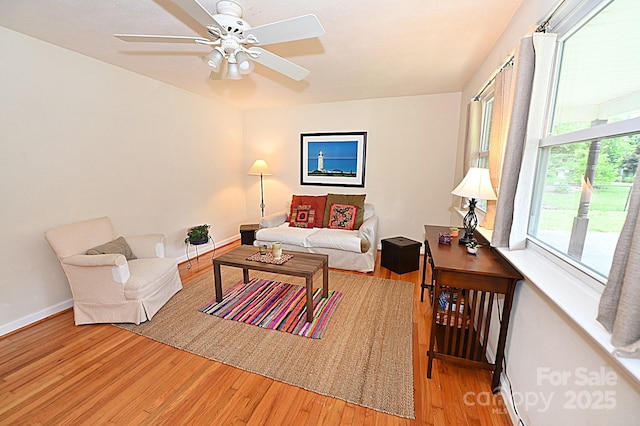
x=475, y=185
x=260, y=168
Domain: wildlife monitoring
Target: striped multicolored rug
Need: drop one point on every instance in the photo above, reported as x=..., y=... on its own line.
x=276, y=305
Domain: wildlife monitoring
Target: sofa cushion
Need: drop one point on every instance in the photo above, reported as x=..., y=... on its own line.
x=285, y=234
x=338, y=239
x=318, y=201
x=303, y=216
x=342, y=216
x=351, y=199
x=117, y=246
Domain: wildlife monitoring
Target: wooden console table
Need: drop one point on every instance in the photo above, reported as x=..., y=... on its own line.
x=463, y=290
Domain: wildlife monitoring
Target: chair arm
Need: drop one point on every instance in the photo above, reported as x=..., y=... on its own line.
x=369, y=231
x=147, y=246
x=274, y=219
x=95, y=260
x=81, y=265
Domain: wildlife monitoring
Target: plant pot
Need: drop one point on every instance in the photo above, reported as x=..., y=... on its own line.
x=472, y=250
x=198, y=242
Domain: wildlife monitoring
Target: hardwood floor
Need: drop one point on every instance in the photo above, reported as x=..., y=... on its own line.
x=55, y=373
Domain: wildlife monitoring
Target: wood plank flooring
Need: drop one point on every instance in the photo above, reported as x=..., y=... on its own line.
x=55, y=373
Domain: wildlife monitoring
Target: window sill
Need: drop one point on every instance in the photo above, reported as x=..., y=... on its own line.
x=573, y=297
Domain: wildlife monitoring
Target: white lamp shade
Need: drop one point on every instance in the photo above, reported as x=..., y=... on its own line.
x=260, y=167
x=476, y=184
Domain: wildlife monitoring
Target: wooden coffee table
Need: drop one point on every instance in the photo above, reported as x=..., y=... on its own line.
x=301, y=265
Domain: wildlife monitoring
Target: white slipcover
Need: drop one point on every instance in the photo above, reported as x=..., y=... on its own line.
x=107, y=288
x=343, y=247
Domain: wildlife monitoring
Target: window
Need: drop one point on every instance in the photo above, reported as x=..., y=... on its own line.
x=485, y=133
x=485, y=137
x=587, y=161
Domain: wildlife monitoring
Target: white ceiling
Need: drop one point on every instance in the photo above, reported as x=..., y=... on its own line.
x=372, y=48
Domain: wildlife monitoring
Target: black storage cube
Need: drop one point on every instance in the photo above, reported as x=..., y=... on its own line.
x=248, y=233
x=400, y=254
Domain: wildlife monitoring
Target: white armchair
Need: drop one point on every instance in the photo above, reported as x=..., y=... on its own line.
x=108, y=288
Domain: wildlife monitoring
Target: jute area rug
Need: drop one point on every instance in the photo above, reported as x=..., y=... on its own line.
x=364, y=357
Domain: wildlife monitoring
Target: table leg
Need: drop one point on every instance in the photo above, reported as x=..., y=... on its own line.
x=502, y=339
x=309, y=298
x=245, y=275
x=429, y=364
x=423, y=284
x=217, y=281
x=325, y=280
x=432, y=337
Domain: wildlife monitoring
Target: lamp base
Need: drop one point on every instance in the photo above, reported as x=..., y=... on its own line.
x=470, y=222
x=466, y=239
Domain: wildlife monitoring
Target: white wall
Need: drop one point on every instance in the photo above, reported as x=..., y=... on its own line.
x=544, y=343
x=409, y=160
x=82, y=139
x=548, y=359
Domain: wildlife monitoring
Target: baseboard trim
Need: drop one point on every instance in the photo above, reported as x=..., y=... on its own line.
x=35, y=317
x=509, y=403
x=209, y=247
x=55, y=309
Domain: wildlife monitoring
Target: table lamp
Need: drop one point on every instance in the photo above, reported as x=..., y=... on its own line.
x=475, y=185
x=260, y=168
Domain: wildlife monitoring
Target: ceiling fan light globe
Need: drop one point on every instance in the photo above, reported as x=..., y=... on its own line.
x=233, y=72
x=245, y=64
x=214, y=60
x=246, y=67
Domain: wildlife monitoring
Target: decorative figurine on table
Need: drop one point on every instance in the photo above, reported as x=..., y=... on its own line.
x=444, y=238
x=472, y=247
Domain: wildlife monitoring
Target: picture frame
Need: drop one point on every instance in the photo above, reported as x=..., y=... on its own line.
x=333, y=159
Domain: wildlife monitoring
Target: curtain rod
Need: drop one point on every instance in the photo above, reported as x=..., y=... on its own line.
x=507, y=63
x=542, y=28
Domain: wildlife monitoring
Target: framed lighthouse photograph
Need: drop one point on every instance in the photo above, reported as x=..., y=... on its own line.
x=333, y=159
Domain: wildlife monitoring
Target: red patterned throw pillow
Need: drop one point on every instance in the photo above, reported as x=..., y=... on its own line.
x=317, y=201
x=342, y=216
x=303, y=216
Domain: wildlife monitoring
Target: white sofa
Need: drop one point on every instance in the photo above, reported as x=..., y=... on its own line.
x=352, y=250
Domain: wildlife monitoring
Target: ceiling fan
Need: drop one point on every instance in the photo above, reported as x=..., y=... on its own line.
x=235, y=43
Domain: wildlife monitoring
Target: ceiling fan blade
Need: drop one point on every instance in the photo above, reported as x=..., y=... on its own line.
x=280, y=64
x=197, y=12
x=306, y=26
x=160, y=38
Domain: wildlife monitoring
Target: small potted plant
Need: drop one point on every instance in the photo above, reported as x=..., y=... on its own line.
x=472, y=247
x=198, y=235
x=454, y=231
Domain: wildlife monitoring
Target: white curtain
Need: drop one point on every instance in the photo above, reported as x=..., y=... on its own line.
x=474, y=126
x=619, y=310
x=502, y=103
x=534, y=63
